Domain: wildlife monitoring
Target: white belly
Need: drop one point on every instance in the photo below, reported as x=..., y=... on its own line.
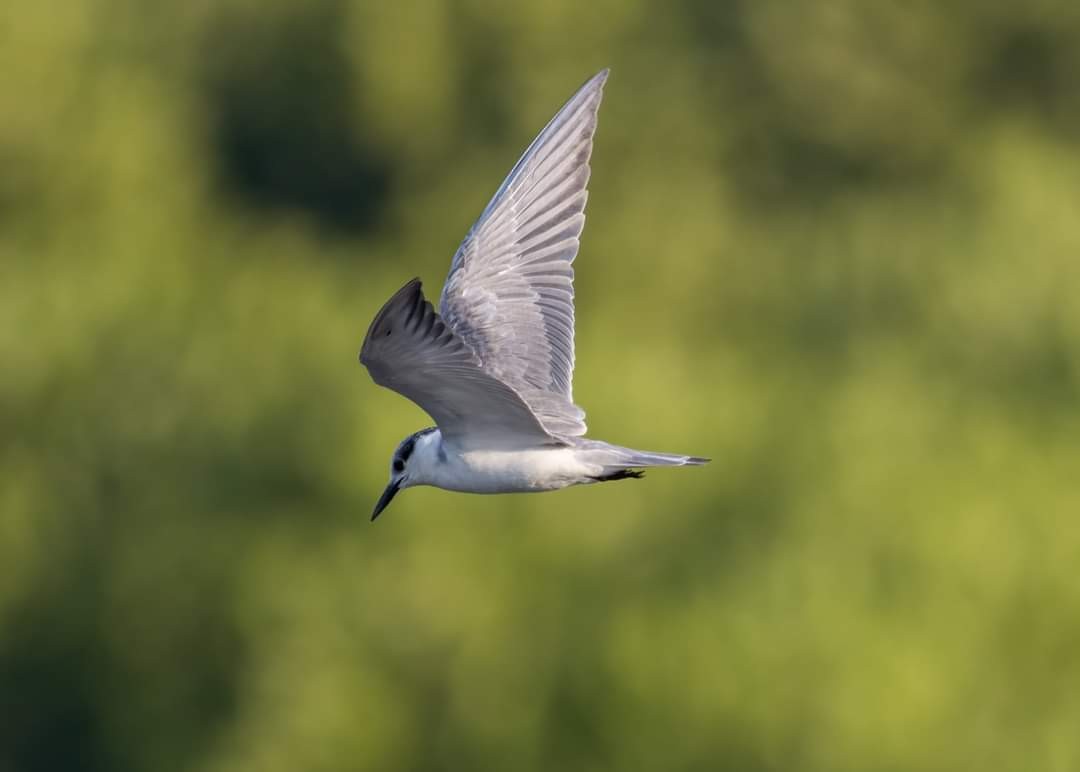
x=512, y=471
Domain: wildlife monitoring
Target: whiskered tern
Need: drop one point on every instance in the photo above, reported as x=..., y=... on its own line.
x=494, y=369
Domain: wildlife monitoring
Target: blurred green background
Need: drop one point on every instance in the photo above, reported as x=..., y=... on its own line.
x=832, y=245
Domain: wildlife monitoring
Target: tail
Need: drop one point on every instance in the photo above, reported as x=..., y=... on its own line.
x=618, y=463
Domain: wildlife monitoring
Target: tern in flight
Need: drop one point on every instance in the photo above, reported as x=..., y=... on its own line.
x=494, y=368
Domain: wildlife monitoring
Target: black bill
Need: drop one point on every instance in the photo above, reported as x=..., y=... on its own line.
x=384, y=500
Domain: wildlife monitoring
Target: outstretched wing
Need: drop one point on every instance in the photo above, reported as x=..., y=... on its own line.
x=510, y=292
x=410, y=350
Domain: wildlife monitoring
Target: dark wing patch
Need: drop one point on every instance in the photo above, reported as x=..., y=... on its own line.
x=410, y=350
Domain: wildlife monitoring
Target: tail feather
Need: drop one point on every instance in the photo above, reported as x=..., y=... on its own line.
x=639, y=458
x=615, y=459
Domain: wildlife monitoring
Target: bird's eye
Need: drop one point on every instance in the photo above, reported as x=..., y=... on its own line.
x=388, y=332
x=399, y=465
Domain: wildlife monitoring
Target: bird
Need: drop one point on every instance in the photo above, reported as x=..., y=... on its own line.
x=494, y=366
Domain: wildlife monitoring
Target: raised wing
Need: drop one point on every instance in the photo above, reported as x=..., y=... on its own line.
x=510, y=292
x=410, y=350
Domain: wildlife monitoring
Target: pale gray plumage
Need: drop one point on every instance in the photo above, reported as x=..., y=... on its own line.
x=496, y=370
x=409, y=349
x=510, y=291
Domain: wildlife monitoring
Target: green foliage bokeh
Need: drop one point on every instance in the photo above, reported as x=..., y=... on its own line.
x=832, y=245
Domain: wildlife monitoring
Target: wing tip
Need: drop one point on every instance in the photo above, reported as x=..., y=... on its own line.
x=410, y=289
x=407, y=294
x=595, y=84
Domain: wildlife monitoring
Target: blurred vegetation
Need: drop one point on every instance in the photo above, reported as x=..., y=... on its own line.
x=833, y=245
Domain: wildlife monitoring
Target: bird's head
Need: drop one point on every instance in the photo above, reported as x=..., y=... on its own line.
x=407, y=466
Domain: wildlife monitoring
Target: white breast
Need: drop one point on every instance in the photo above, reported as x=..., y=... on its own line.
x=512, y=471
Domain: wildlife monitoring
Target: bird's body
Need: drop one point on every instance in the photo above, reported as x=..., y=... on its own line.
x=496, y=470
x=495, y=369
x=526, y=469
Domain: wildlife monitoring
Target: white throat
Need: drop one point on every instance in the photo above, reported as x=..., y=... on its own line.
x=428, y=460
